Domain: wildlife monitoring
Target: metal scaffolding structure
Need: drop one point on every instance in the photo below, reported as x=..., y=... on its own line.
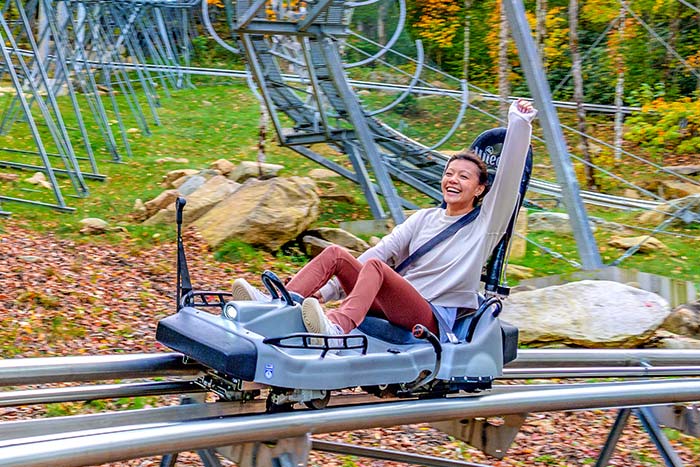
x=113, y=59
x=91, y=52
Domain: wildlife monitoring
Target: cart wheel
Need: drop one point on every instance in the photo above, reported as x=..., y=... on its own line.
x=318, y=404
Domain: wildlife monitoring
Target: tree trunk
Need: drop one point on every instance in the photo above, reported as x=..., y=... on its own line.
x=381, y=21
x=467, y=37
x=620, y=85
x=541, y=29
x=673, y=31
x=503, y=65
x=578, y=91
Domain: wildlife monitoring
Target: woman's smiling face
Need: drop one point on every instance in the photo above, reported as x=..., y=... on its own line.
x=460, y=186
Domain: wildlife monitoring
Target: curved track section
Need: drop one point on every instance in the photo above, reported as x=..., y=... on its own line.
x=317, y=99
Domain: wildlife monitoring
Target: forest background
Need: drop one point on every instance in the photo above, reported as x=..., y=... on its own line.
x=92, y=295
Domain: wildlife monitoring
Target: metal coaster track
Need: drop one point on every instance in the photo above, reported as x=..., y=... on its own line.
x=105, y=437
x=111, y=436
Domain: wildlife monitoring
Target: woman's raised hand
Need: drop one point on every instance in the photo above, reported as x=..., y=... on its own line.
x=524, y=106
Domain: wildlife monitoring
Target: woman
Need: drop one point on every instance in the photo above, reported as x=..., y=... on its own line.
x=445, y=278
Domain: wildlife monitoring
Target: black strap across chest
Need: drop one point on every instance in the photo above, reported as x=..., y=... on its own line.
x=449, y=231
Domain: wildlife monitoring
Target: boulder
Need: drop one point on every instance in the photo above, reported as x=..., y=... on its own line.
x=191, y=184
x=320, y=174
x=93, y=226
x=267, y=213
x=341, y=237
x=668, y=340
x=557, y=222
x=250, y=169
x=6, y=177
x=684, y=320
x=179, y=160
x=313, y=246
x=199, y=201
x=173, y=175
x=39, y=179
x=678, y=189
x=162, y=201
x=586, y=313
x=689, y=207
x=224, y=166
x=139, y=210
x=684, y=169
x=648, y=244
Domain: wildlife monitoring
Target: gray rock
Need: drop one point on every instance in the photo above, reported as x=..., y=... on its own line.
x=647, y=243
x=684, y=169
x=223, y=166
x=173, y=175
x=268, y=213
x=162, y=201
x=587, y=313
x=198, y=202
x=684, y=320
x=191, y=185
x=668, y=340
x=688, y=210
x=340, y=237
x=93, y=226
x=250, y=169
x=559, y=222
x=313, y=246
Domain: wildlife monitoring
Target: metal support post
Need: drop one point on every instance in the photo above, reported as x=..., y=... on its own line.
x=208, y=456
x=670, y=456
x=357, y=119
x=613, y=437
x=650, y=424
x=554, y=137
x=362, y=176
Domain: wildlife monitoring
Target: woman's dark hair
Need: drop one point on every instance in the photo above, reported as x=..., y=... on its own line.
x=469, y=155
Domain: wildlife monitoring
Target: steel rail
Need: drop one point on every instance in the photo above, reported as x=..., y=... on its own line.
x=55, y=427
x=529, y=358
x=20, y=371
x=83, y=448
x=100, y=391
x=360, y=84
x=600, y=372
x=15, y=372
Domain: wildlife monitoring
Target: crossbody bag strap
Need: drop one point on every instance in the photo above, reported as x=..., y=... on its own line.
x=440, y=237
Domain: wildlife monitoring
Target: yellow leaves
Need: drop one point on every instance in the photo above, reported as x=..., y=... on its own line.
x=438, y=22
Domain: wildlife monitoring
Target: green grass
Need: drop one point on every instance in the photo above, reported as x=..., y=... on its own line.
x=220, y=120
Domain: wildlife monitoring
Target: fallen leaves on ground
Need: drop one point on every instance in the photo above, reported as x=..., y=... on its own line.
x=60, y=297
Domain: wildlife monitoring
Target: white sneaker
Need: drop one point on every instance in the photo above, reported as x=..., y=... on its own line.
x=242, y=290
x=316, y=321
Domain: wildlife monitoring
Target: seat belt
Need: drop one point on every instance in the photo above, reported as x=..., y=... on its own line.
x=449, y=231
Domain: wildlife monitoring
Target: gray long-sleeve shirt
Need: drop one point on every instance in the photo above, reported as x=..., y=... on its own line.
x=449, y=274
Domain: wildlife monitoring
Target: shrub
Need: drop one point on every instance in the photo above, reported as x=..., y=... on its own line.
x=666, y=128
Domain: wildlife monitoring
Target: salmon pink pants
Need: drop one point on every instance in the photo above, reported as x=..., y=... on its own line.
x=369, y=286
